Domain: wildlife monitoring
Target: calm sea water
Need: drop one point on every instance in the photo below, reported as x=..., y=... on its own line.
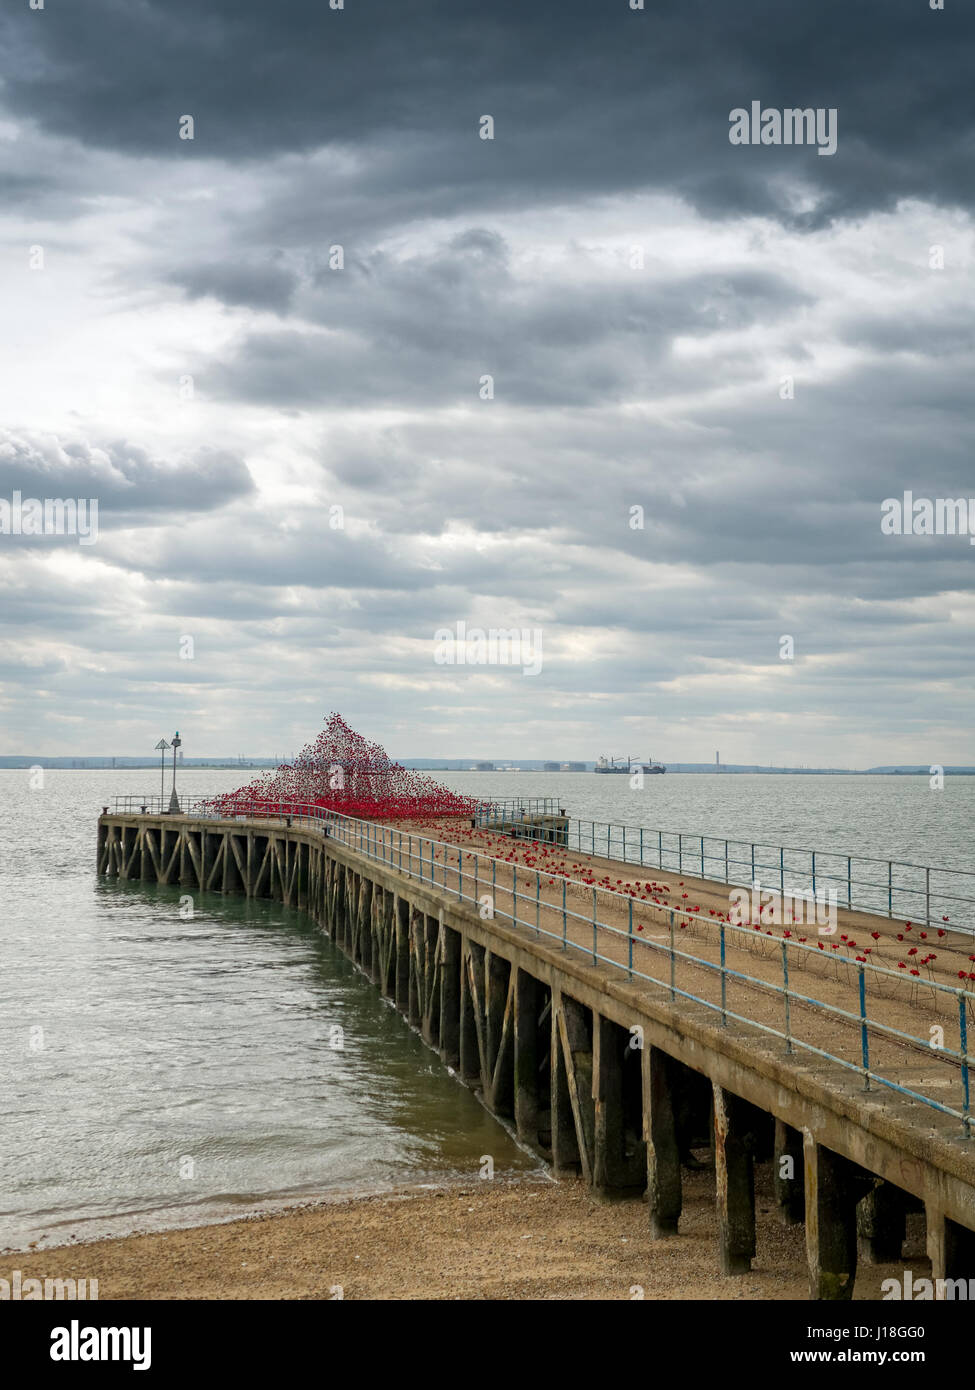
x=158, y=1071
x=900, y=818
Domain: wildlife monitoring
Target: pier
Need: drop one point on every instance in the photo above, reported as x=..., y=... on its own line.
x=616, y=1040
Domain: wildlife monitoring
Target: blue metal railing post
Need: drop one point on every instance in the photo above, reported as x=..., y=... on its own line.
x=594, y=951
x=864, y=1041
x=564, y=918
x=631, y=940
x=781, y=872
x=785, y=990
x=538, y=901
x=724, y=981
x=672, y=994
x=963, y=1049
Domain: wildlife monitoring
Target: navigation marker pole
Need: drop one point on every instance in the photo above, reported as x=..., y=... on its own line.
x=161, y=747
x=174, y=799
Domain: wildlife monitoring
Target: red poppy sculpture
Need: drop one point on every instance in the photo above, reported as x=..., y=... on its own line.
x=342, y=771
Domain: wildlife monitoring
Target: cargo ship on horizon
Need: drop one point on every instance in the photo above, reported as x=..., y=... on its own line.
x=626, y=765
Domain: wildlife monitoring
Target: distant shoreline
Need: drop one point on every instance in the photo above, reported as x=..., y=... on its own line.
x=9, y=764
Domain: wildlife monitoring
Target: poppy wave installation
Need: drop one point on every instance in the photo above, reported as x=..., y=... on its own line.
x=344, y=772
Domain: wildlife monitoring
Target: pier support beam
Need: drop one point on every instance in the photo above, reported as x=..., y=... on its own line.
x=734, y=1171
x=833, y=1186
x=450, y=999
x=401, y=924
x=429, y=979
x=338, y=905
x=951, y=1250
x=566, y=1157
x=574, y=1023
x=364, y=928
x=496, y=973
x=882, y=1223
x=526, y=1056
x=787, y=1174
x=615, y=1173
x=500, y=1011
x=417, y=943
x=470, y=981
x=664, y=1191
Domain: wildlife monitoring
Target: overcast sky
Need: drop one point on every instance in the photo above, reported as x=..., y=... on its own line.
x=178, y=344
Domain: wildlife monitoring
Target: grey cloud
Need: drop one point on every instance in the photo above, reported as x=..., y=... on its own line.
x=418, y=334
x=587, y=98
x=124, y=478
x=256, y=286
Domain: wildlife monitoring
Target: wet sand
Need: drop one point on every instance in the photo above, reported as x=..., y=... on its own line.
x=531, y=1239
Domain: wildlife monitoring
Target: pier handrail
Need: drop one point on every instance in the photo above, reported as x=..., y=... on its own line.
x=929, y=898
x=388, y=844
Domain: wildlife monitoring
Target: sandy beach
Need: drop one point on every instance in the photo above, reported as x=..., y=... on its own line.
x=530, y=1239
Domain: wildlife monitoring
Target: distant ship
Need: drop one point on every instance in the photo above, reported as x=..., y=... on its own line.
x=627, y=765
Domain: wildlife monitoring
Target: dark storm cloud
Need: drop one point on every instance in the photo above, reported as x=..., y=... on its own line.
x=588, y=97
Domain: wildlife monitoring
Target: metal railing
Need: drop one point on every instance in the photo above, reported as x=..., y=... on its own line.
x=417, y=857
x=498, y=812
x=486, y=813
x=917, y=892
